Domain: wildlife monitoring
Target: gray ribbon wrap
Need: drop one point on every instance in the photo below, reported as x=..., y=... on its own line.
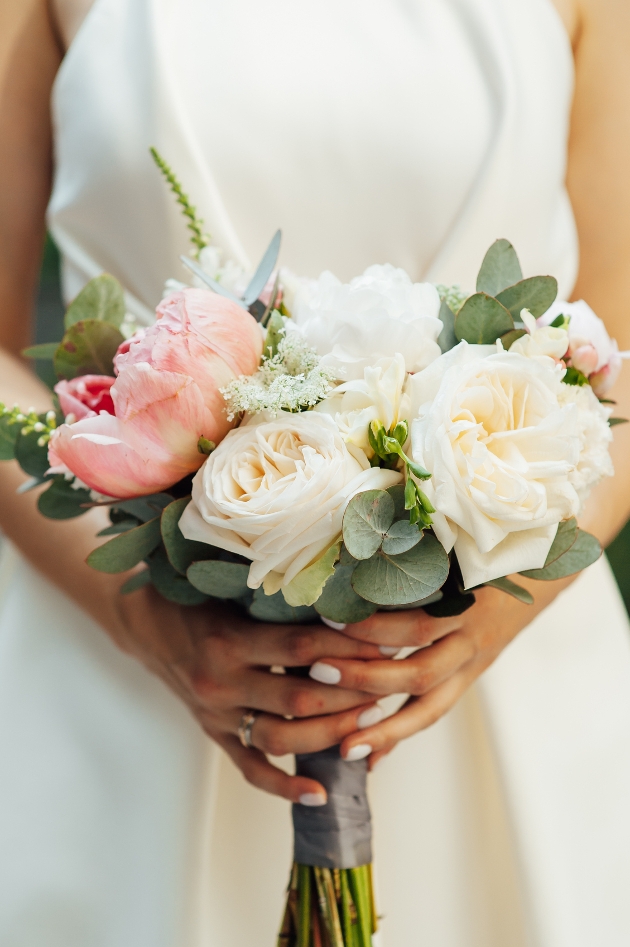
x=339, y=834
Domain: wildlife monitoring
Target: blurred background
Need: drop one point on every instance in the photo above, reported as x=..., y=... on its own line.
x=48, y=328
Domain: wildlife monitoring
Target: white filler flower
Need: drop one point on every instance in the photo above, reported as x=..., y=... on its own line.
x=375, y=315
x=511, y=453
x=275, y=491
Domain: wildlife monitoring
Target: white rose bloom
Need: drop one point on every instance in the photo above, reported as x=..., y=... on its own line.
x=374, y=316
x=595, y=438
x=275, y=491
x=547, y=341
x=378, y=396
x=502, y=441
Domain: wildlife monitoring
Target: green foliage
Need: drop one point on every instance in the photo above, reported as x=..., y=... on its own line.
x=508, y=340
x=136, y=581
x=275, y=333
x=219, y=579
x=397, y=493
x=455, y=599
x=274, y=608
x=536, y=293
x=405, y=578
x=168, y=582
x=367, y=519
x=511, y=588
x=88, y=348
x=31, y=453
x=8, y=437
x=127, y=550
x=400, y=537
x=566, y=534
x=482, y=320
x=204, y=446
x=144, y=508
x=122, y=526
x=62, y=502
x=573, y=376
x=339, y=601
x=101, y=300
x=182, y=552
x=614, y=421
x=306, y=587
x=500, y=268
x=447, y=338
x=193, y=222
x=43, y=352
x=582, y=553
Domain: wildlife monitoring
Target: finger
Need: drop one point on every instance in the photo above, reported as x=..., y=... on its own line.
x=277, y=736
x=417, y=674
x=413, y=628
x=292, y=645
x=417, y=714
x=258, y=771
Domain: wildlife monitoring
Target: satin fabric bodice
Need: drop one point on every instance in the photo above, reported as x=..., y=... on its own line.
x=413, y=132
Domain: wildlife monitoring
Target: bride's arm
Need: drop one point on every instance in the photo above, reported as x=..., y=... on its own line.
x=211, y=658
x=599, y=186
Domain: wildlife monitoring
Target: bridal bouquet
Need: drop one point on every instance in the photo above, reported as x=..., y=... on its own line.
x=313, y=449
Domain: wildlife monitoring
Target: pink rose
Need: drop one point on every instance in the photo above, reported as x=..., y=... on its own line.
x=166, y=397
x=85, y=396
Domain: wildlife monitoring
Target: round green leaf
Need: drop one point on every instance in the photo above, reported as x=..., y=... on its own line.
x=536, y=293
x=136, y=581
x=169, y=583
x=339, y=602
x=127, y=550
x=584, y=552
x=400, y=537
x=511, y=337
x=273, y=608
x=32, y=458
x=403, y=579
x=181, y=552
x=511, y=588
x=144, y=508
x=62, y=502
x=366, y=520
x=87, y=348
x=482, y=320
x=219, y=579
x=102, y=299
x=447, y=338
x=565, y=537
x=500, y=268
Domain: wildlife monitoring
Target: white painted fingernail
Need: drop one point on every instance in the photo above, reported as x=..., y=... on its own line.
x=387, y=651
x=358, y=752
x=312, y=799
x=335, y=625
x=325, y=673
x=370, y=717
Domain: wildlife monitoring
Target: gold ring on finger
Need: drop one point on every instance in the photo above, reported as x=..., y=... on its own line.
x=245, y=728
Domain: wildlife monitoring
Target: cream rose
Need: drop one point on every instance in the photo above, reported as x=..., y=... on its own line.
x=376, y=315
x=275, y=491
x=378, y=396
x=503, y=442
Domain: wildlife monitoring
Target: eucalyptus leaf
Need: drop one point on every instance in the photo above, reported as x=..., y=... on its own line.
x=43, y=352
x=127, y=550
x=182, y=552
x=122, y=526
x=566, y=535
x=87, y=348
x=306, y=587
x=144, y=508
x=482, y=320
x=62, y=502
x=137, y=581
x=614, y=421
x=400, y=537
x=273, y=608
x=397, y=493
x=584, y=552
x=31, y=456
x=339, y=602
x=407, y=578
x=169, y=583
x=367, y=518
x=537, y=293
x=31, y=483
x=275, y=333
x=8, y=437
x=508, y=340
x=500, y=268
x=219, y=579
x=511, y=588
x=101, y=299
x=447, y=338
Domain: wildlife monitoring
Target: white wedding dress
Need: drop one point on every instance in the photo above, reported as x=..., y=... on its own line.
x=408, y=131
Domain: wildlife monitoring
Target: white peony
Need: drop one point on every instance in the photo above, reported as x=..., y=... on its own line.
x=378, y=396
x=275, y=491
x=503, y=441
x=374, y=316
x=595, y=437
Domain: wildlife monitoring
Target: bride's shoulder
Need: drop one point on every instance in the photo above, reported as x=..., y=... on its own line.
x=69, y=15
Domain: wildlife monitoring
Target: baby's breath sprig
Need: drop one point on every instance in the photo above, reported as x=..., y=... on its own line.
x=194, y=223
x=30, y=422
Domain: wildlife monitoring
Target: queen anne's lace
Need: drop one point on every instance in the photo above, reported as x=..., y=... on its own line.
x=292, y=380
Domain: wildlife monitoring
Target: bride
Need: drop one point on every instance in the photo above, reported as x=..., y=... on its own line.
x=406, y=131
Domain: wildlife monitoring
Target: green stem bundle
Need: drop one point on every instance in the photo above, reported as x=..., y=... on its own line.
x=329, y=907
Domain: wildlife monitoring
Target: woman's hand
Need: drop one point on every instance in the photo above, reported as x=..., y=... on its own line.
x=218, y=663
x=453, y=653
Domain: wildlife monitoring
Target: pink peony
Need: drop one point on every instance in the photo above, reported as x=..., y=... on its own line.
x=165, y=398
x=85, y=396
